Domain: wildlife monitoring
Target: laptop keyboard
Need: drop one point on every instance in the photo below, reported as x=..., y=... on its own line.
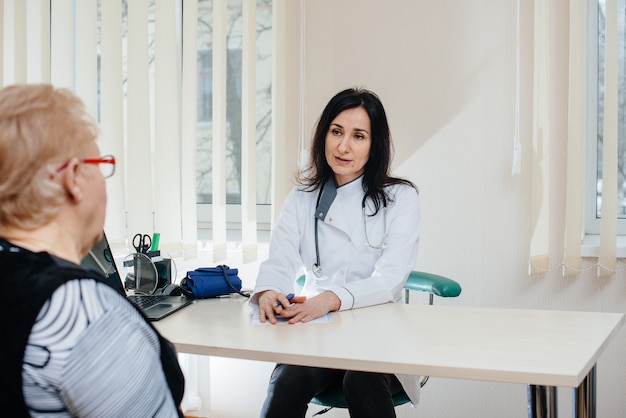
x=144, y=302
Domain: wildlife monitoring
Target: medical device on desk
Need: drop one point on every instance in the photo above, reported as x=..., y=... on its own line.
x=325, y=198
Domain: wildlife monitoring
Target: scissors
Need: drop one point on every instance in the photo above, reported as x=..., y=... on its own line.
x=142, y=243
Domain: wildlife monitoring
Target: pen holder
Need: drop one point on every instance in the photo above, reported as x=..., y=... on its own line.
x=140, y=273
x=152, y=270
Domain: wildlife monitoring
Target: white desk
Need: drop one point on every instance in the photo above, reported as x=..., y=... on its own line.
x=535, y=347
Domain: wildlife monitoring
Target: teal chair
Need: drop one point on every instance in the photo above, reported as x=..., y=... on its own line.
x=419, y=281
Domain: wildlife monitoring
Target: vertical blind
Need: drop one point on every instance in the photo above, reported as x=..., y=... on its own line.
x=574, y=215
x=248, y=137
x=542, y=224
x=136, y=70
x=608, y=224
x=220, y=55
x=539, y=244
x=188, y=128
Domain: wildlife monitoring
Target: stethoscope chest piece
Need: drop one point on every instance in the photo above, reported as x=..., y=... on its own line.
x=317, y=270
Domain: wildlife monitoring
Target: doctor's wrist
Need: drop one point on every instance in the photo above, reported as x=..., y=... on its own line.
x=332, y=300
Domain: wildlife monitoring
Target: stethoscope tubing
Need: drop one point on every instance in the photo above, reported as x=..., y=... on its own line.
x=317, y=266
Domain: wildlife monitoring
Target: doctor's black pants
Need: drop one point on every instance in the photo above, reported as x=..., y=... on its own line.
x=292, y=387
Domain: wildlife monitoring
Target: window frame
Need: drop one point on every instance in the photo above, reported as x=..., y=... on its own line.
x=592, y=222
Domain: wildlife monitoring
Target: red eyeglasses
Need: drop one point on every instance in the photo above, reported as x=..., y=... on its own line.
x=105, y=163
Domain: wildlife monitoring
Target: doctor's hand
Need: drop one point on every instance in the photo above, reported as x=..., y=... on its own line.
x=272, y=303
x=312, y=308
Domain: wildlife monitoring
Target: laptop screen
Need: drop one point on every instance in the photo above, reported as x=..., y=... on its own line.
x=100, y=259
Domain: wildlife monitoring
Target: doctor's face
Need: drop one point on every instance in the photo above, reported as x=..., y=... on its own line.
x=348, y=144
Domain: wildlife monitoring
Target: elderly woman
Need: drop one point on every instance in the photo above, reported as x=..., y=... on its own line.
x=71, y=345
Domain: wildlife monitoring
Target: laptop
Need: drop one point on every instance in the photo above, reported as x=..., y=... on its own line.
x=154, y=307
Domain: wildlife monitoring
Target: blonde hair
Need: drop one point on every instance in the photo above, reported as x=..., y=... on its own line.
x=40, y=129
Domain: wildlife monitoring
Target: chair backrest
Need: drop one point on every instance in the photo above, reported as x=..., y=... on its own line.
x=433, y=284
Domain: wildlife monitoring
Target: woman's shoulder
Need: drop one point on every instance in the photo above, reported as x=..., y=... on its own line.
x=76, y=307
x=302, y=193
x=95, y=322
x=95, y=296
x=304, y=188
x=402, y=189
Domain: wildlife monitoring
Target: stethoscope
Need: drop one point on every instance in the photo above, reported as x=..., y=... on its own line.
x=320, y=212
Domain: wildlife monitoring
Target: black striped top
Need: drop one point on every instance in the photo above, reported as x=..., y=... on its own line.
x=91, y=353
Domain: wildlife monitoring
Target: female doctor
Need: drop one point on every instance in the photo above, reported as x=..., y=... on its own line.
x=354, y=231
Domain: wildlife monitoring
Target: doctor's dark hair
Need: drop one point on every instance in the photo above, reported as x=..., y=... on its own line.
x=376, y=175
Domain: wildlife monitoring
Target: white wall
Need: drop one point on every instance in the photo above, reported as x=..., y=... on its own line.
x=445, y=70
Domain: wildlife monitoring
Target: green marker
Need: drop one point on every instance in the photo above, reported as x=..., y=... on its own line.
x=155, y=241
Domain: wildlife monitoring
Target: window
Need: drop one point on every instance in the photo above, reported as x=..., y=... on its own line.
x=136, y=64
x=205, y=86
x=233, y=120
x=595, y=125
x=234, y=100
x=234, y=103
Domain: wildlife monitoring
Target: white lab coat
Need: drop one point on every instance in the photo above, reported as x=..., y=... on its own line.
x=357, y=273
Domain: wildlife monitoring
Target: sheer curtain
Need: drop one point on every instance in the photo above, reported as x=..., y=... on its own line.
x=573, y=215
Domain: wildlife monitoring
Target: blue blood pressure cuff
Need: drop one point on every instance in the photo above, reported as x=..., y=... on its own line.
x=208, y=282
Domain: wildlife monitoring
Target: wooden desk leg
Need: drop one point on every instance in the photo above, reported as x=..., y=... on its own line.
x=584, y=405
x=542, y=401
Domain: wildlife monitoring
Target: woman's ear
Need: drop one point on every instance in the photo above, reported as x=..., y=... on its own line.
x=71, y=182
